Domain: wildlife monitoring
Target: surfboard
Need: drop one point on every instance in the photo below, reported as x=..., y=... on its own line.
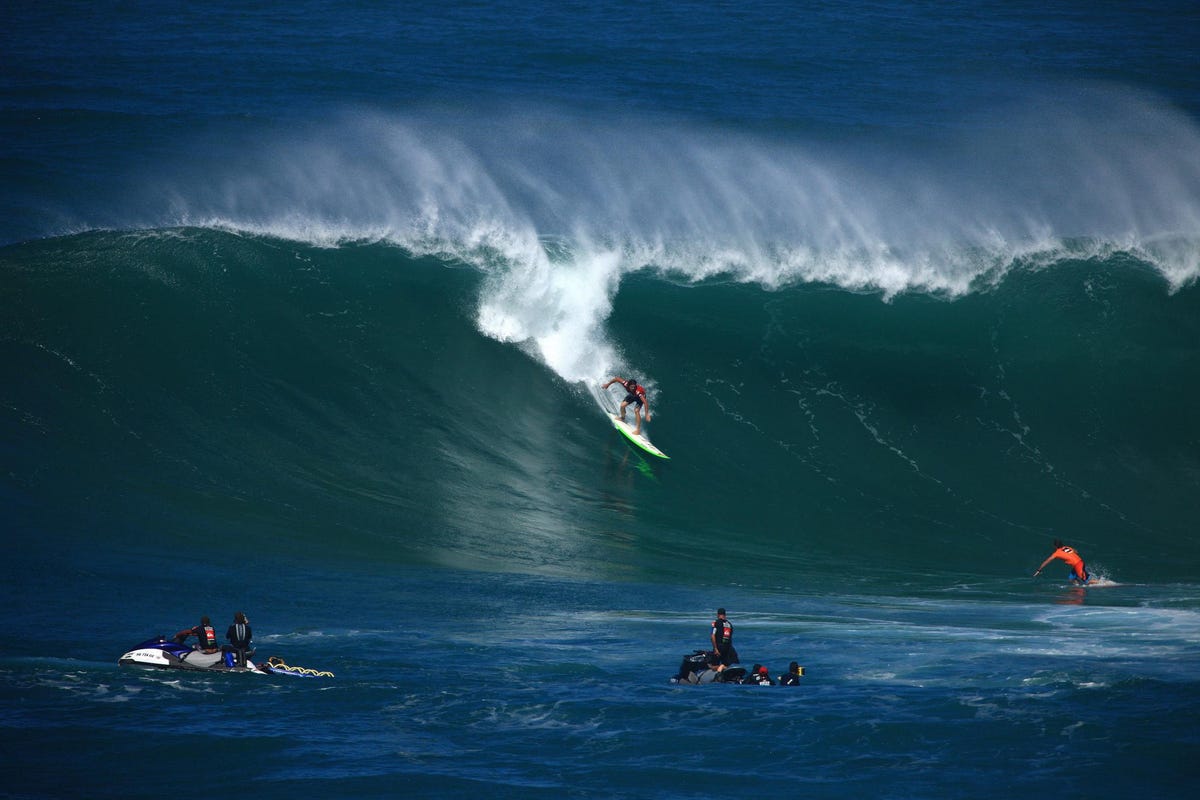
x=637, y=438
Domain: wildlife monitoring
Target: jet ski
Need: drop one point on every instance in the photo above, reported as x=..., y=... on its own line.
x=699, y=667
x=169, y=654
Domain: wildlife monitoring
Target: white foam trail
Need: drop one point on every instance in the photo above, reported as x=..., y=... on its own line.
x=556, y=209
x=559, y=308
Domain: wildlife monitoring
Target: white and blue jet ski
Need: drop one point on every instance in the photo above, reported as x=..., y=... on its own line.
x=168, y=654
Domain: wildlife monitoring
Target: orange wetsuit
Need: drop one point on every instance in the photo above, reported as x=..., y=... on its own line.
x=1074, y=561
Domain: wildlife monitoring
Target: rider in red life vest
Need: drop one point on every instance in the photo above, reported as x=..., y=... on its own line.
x=205, y=634
x=1073, y=559
x=635, y=394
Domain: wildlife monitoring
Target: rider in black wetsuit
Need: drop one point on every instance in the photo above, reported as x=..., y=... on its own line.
x=760, y=675
x=793, y=675
x=239, y=636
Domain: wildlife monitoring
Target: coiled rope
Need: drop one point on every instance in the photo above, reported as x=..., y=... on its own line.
x=277, y=663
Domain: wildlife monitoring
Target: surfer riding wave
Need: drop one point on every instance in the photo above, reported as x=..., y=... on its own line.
x=635, y=394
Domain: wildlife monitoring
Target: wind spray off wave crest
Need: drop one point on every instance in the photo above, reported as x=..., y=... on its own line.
x=556, y=209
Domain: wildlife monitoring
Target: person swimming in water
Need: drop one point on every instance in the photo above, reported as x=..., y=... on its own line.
x=1072, y=558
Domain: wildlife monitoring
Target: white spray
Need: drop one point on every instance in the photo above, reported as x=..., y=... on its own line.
x=556, y=209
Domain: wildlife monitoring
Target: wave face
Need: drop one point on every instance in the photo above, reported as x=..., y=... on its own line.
x=272, y=391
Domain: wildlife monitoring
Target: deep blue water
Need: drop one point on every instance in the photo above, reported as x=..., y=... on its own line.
x=303, y=310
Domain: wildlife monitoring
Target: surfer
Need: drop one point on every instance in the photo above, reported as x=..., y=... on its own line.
x=792, y=678
x=722, y=639
x=759, y=675
x=1074, y=561
x=635, y=394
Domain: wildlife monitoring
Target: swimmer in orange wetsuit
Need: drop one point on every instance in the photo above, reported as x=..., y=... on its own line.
x=1073, y=559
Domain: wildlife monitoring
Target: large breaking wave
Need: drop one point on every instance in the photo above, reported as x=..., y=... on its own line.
x=557, y=208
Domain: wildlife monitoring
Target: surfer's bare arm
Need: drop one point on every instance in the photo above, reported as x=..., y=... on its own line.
x=1043, y=566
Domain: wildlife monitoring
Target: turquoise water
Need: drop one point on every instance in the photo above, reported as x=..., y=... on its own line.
x=303, y=315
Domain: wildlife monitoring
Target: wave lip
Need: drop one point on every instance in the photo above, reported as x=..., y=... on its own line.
x=557, y=209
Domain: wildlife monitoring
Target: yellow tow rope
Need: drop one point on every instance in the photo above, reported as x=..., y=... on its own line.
x=277, y=663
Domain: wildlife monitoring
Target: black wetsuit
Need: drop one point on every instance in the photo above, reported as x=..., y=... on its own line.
x=239, y=636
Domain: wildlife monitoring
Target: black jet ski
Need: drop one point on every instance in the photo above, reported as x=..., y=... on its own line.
x=701, y=667
x=168, y=654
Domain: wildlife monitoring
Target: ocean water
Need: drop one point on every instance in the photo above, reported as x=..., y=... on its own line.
x=303, y=311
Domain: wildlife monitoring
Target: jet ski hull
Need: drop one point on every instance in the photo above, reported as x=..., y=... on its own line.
x=165, y=654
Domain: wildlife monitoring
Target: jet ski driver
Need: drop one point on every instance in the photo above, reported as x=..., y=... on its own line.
x=205, y=634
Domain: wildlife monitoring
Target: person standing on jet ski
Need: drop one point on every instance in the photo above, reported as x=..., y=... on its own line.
x=239, y=636
x=722, y=639
x=205, y=634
